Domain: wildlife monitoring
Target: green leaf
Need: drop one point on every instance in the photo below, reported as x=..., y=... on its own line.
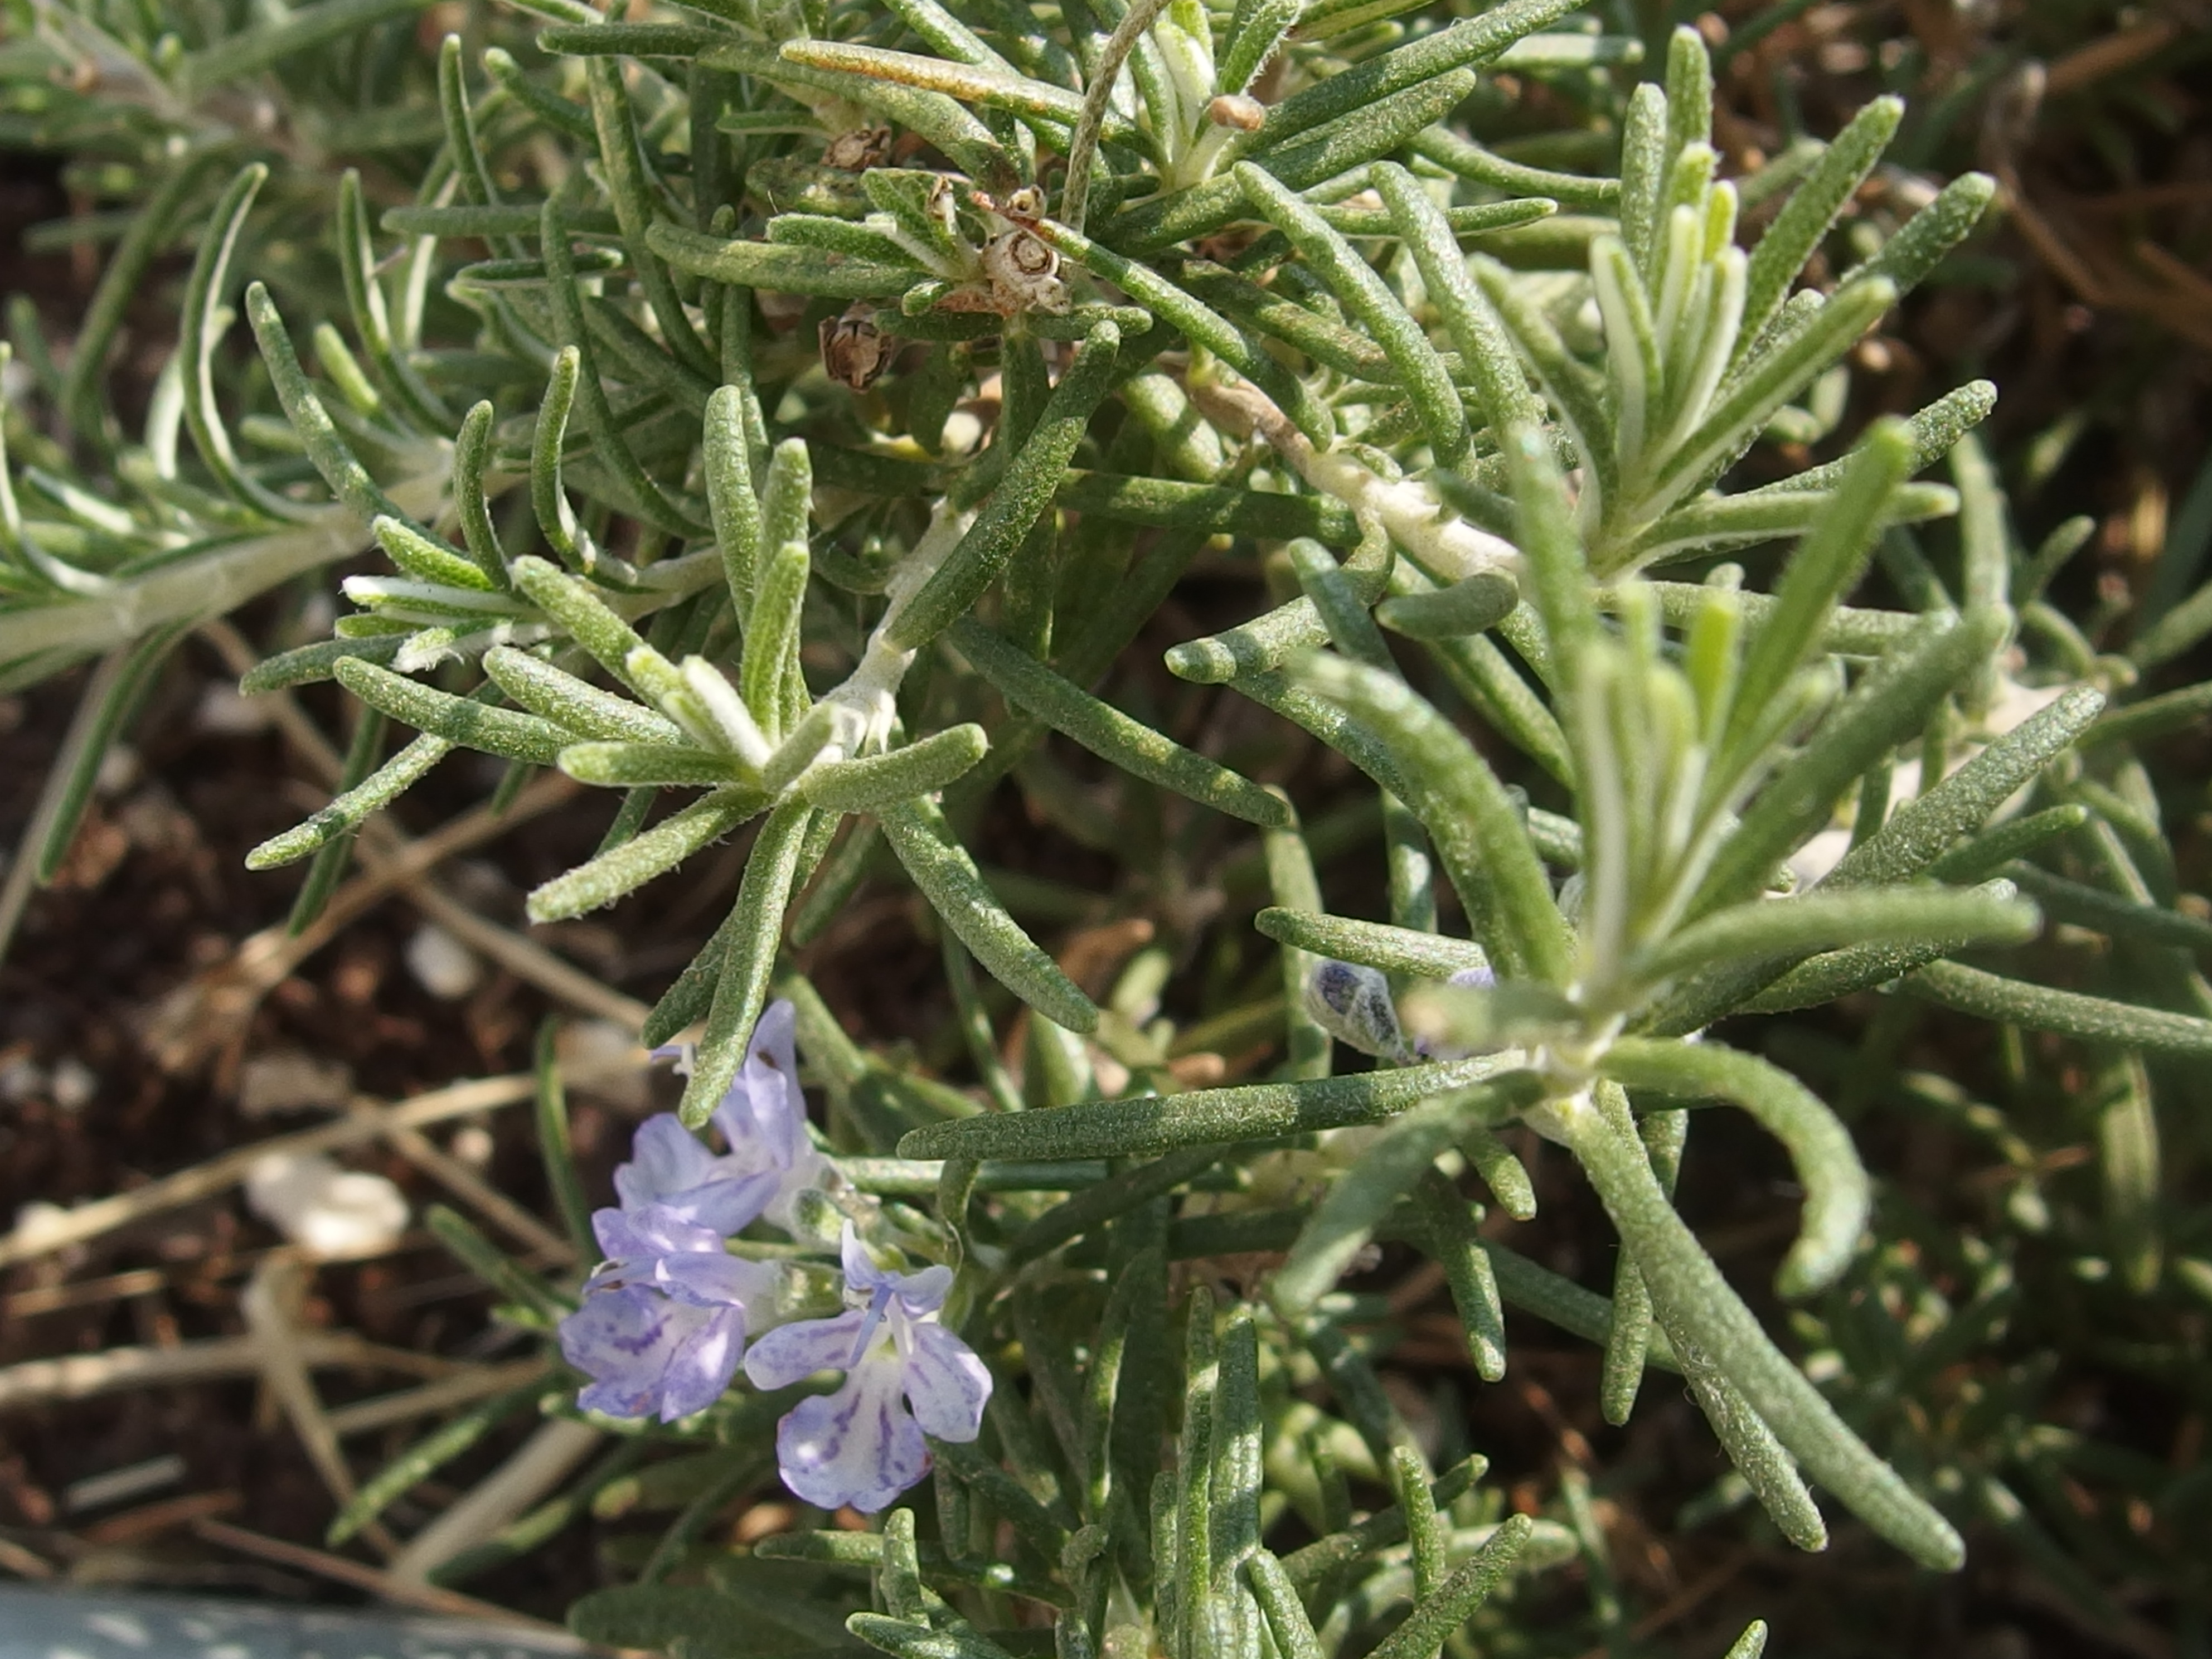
x=1894, y=701
x=574, y=704
x=1467, y=812
x=1200, y=325
x=658, y=850
x=1023, y=495
x=464, y=722
x=948, y=878
x=1258, y=1111
x=2068, y=1013
x=245, y=54
x=1395, y=950
x=118, y=684
x=1473, y=40
x=426, y=1457
x=883, y=781
x=754, y=931
x=1435, y=1617
x=344, y=814
x=699, y=1622
x=1826, y=565
x=1354, y=284
x=467, y=1244
x=1863, y=966
x=1812, y=208
x=777, y=267
x=1829, y=919
x=1388, y=1166
x=2154, y=717
x=1691, y=1294
x=771, y=650
x=1278, y=1603
x=1918, y=833
x=1130, y=744
x=624, y=765
x=1837, y=1193
x=1452, y=1243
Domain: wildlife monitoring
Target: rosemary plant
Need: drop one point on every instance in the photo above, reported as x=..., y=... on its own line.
x=785, y=416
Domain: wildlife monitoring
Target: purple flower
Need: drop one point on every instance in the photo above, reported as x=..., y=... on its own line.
x=764, y=1119
x=662, y=1325
x=905, y=1375
x=671, y=1168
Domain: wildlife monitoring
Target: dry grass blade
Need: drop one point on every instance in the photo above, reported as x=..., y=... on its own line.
x=49, y=1233
x=549, y=1249
x=543, y=1462
x=79, y=1375
x=336, y=1568
x=462, y=1387
x=279, y=1284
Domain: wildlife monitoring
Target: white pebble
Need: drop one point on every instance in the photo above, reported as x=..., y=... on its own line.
x=73, y=1085
x=225, y=713
x=332, y=1212
x=118, y=770
x=38, y=1221
x=21, y=1078
x=441, y=965
x=472, y=1145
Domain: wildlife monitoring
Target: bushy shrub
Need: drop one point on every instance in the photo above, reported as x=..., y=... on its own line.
x=795, y=411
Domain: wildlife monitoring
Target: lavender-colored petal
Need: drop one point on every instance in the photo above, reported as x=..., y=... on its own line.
x=763, y=1115
x=666, y=1159
x=709, y=1281
x=771, y=1079
x=945, y=1383
x=1474, y=979
x=790, y=1353
x=611, y=1228
x=622, y=1339
x=729, y=1203
x=922, y=1293
x=862, y=1276
x=647, y=1354
x=925, y=1291
x=654, y=1231
x=702, y=1364
x=856, y=1447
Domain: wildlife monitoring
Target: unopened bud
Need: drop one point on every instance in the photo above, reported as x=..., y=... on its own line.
x=1353, y=1004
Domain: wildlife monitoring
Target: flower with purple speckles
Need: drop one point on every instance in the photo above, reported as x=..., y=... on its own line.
x=763, y=1117
x=906, y=1375
x=662, y=1324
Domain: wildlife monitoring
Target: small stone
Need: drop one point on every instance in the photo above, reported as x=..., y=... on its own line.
x=292, y=1080
x=73, y=1085
x=224, y=712
x=118, y=770
x=336, y=1214
x=442, y=965
x=21, y=1078
x=37, y=1222
x=472, y=1146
